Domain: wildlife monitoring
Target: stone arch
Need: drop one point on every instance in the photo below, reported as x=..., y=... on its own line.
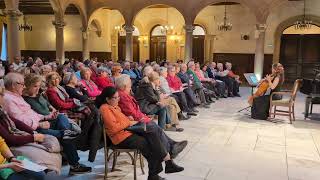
x=284, y=25
x=205, y=3
x=95, y=23
x=82, y=11
x=138, y=9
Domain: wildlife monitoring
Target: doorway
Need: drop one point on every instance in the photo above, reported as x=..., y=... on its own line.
x=158, y=44
x=198, y=44
x=300, y=52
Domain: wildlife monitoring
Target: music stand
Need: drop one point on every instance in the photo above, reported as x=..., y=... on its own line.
x=253, y=82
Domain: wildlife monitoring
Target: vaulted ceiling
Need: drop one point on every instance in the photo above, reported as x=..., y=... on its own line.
x=39, y=7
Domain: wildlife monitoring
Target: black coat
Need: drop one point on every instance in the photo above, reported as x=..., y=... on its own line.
x=147, y=97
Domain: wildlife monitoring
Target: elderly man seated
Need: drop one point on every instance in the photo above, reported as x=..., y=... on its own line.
x=185, y=75
x=233, y=86
x=231, y=74
x=130, y=108
x=18, y=109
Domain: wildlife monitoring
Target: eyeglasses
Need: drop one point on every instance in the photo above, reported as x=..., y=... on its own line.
x=20, y=83
x=117, y=97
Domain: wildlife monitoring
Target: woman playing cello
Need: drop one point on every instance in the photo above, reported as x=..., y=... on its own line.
x=260, y=101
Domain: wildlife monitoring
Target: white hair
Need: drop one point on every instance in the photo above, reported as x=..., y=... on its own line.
x=191, y=63
x=122, y=81
x=10, y=79
x=147, y=70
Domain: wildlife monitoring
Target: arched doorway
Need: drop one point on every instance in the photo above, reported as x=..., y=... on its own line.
x=122, y=44
x=158, y=44
x=198, y=44
x=300, y=52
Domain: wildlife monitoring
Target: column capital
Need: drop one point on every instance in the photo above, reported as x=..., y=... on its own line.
x=128, y=28
x=12, y=13
x=189, y=28
x=261, y=27
x=59, y=24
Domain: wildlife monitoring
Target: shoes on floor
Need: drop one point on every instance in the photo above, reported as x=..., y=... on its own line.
x=79, y=169
x=177, y=148
x=172, y=167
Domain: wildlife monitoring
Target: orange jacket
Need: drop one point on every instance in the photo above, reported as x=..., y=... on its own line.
x=115, y=122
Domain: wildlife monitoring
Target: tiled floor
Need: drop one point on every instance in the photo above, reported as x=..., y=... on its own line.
x=227, y=145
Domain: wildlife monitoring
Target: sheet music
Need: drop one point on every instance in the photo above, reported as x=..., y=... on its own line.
x=28, y=165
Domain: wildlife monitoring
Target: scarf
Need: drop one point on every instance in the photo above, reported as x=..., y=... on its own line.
x=62, y=93
x=89, y=85
x=10, y=124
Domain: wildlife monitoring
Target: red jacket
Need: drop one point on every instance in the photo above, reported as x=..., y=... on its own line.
x=16, y=140
x=130, y=107
x=174, y=82
x=103, y=82
x=57, y=102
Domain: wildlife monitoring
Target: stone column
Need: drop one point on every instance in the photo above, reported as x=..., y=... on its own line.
x=259, y=53
x=129, y=42
x=189, y=38
x=59, y=40
x=85, y=45
x=13, y=33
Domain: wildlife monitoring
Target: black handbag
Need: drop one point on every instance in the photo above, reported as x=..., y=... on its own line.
x=140, y=127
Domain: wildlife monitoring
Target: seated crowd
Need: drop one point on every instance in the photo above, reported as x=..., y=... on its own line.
x=47, y=105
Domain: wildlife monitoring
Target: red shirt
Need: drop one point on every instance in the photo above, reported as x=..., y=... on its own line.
x=103, y=82
x=130, y=107
x=174, y=82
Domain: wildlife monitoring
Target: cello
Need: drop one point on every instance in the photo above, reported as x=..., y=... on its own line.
x=262, y=89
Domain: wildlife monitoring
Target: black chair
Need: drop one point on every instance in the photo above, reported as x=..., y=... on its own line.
x=116, y=152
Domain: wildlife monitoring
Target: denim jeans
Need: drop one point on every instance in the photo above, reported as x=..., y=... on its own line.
x=26, y=175
x=57, y=126
x=163, y=116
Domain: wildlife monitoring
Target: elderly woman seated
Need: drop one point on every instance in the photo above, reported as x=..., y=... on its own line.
x=72, y=87
x=116, y=71
x=149, y=144
x=39, y=117
x=12, y=169
x=89, y=118
x=59, y=126
x=103, y=80
x=89, y=86
x=152, y=102
x=130, y=108
x=22, y=139
x=207, y=82
x=183, y=91
x=165, y=89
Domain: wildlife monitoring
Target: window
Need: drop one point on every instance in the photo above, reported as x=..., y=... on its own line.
x=4, y=43
x=158, y=31
x=198, y=31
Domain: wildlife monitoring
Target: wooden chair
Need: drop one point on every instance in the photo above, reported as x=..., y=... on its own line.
x=116, y=152
x=285, y=102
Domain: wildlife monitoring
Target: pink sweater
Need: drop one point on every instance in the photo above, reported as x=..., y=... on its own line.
x=92, y=88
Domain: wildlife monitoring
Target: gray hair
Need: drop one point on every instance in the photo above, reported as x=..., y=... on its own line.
x=191, y=63
x=147, y=70
x=102, y=69
x=10, y=79
x=122, y=81
x=163, y=70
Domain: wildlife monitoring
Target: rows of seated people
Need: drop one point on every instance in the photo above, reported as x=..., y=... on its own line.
x=46, y=106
